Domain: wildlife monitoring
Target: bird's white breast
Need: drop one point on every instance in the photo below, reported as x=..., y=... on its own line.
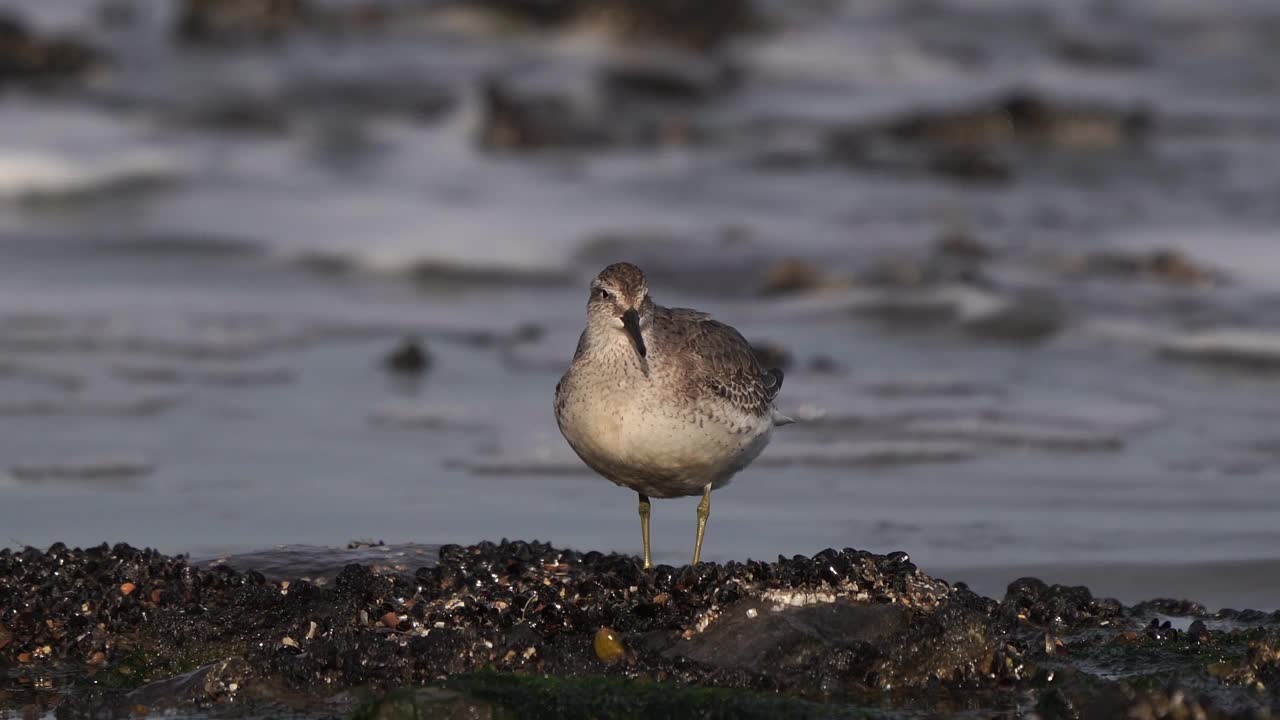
x=625, y=428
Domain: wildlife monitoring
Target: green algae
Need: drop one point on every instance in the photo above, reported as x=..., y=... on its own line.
x=497, y=695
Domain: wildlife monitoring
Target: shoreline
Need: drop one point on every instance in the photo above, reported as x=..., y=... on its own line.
x=1215, y=584
x=529, y=629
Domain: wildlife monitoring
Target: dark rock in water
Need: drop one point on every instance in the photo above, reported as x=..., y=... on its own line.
x=667, y=78
x=693, y=24
x=825, y=364
x=1166, y=606
x=772, y=355
x=512, y=118
x=841, y=626
x=1103, y=54
x=1167, y=265
x=971, y=163
x=961, y=245
x=985, y=141
x=1025, y=317
x=410, y=357
x=1057, y=607
x=28, y=58
x=696, y=24
x=513, y=121
x=539, y=12
x=1199, y=632
x=791, y=275
x=1024, y=117
x=223, y=21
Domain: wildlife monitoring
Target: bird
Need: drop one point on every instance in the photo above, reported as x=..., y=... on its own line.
x=666, y=402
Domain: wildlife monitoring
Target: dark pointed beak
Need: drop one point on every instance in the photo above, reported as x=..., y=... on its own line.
x=631, y=323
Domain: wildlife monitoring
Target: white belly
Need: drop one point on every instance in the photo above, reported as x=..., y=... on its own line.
x=660, y=449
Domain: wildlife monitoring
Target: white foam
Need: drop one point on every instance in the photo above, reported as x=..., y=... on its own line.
x=51, y=150
x=1259, y=348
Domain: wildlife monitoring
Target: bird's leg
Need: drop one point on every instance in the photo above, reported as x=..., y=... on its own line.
x=644, y=527
x=704, y=510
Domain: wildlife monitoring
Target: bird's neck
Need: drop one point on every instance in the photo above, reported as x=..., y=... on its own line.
x=610, y=346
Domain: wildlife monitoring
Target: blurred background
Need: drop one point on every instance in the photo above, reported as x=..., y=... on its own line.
x=294, y=272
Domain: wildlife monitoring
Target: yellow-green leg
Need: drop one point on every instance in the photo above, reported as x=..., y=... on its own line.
x=704, y=510
x=644, y=527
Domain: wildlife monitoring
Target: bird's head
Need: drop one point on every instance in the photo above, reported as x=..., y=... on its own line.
x=619, y=302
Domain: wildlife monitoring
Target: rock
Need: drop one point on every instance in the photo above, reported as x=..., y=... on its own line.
x=695, y=24
x=217, y=682
x=1174, y=267
x=1057, y=607
x=523, y=628
x=890, y=645
x=667, y=77
x=772, y=355
x=790, y=276
x=1023, y=116
x=28, y=58
x=1261, y=666
x=760, y=637
x=1084, y=50
x=825, y=364
x=1168, y=606
x=974, y=164
x=982, y=142
x=961, y=245
x=514, y=119
x=1029, y=316
x=1166, y=265
x=232, y=21
x=955, y=645
x=411, y=357
x=691, y=24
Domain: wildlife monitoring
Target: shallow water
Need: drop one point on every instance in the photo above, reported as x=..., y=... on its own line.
x=193, y=313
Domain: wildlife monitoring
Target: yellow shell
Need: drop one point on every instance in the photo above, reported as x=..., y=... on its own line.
x=609, y=648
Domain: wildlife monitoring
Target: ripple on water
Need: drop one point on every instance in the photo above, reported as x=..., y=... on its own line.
x=105, y=470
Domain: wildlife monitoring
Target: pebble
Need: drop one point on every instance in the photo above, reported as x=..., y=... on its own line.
x=609, y=649
x=411, y=357
x=790, y=276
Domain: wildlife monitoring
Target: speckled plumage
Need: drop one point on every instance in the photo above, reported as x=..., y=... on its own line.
x=690, y=412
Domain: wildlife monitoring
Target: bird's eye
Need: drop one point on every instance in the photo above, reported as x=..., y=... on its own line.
x=604, y=294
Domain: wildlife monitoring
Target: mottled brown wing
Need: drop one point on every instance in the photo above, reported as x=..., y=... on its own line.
x=722, y=360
